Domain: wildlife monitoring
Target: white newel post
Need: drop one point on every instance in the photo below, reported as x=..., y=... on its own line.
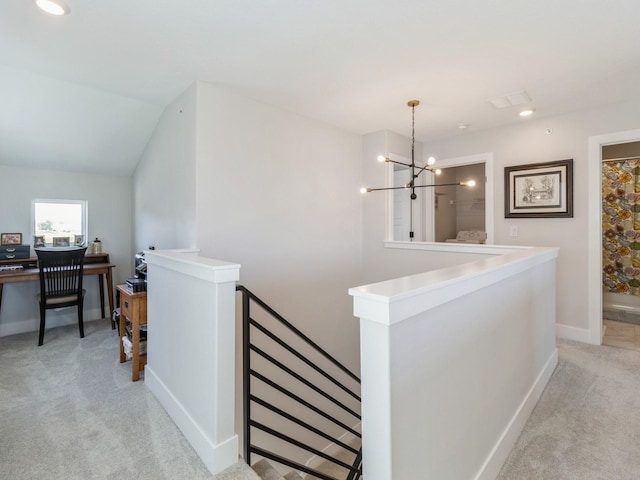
x=191, y=349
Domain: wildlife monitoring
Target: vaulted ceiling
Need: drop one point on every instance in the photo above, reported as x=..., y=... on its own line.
x=83, y=92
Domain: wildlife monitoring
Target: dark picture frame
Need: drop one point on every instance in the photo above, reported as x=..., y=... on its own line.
x=539, y=190
x=38, y=241
x=10, y=239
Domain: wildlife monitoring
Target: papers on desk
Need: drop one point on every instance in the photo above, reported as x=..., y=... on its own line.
x=10, y=268
x=128, y=347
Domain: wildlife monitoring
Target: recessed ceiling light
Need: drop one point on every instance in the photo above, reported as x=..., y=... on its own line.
x=54, y=7
x=526, y=113
x=463, y=126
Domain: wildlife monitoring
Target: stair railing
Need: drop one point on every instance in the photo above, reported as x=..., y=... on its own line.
x=297, y=397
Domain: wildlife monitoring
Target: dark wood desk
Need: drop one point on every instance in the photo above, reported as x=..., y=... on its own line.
x=94, y=264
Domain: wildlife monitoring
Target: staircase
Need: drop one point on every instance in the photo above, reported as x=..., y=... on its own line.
x=266, y=471
x=261, y=470
x=301, y=406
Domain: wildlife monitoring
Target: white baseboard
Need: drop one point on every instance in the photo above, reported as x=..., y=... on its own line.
x=572, y=333
x=216, y=457
x=33, y=324
x=500, y=452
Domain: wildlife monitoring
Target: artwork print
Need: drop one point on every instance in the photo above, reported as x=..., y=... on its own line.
x=11, y=239
x=539, y=190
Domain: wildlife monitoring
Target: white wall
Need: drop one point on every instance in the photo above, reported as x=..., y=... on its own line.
x=529, y=143
x=279, y=194
x=164, y=181
x=374, y=205
x=275, y=192
x=54, y=124
x=190, y=368
x=109, y=208
x=448, y=379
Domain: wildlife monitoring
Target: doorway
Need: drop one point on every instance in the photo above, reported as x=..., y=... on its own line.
x=621, y=245
x=595, y=279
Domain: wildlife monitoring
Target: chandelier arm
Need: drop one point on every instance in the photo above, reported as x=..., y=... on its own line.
x=387, y=188
x=398, y=163
x=409, y=186
x=459, y=184
x=426, y=167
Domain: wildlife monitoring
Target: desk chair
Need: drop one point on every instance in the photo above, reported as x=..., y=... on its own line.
x=60, y=282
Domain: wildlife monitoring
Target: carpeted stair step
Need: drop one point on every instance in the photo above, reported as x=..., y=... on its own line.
x=293, y=476
x=239, y=471
x=266, y=471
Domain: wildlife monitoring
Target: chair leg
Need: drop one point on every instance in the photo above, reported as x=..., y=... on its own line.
x=42, y=317
x=80, y=320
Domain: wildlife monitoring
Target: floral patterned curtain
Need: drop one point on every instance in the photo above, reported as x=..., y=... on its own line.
x=621, y=226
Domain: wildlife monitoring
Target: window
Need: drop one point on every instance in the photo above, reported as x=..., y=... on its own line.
x=59, y=222
x=459, y=209
x=437, y=214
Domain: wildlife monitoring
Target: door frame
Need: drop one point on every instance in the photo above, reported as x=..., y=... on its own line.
x=594, y=187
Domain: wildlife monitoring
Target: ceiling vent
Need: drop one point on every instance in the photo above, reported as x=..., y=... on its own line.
x=510, y=100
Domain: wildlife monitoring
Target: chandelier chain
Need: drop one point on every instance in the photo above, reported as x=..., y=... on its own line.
x=413, y=132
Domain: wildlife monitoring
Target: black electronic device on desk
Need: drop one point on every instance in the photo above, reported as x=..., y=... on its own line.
x=141, y=266
x=135, y=285
x=14, y=252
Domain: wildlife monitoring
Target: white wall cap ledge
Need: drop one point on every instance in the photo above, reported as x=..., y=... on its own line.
x=392, y=301
x=189, y=262
x=485, y=249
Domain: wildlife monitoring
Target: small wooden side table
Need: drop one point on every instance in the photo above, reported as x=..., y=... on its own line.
x=134, y=307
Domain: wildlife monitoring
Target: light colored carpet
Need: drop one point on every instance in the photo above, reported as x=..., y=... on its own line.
x=586, y=425
x=69, y=410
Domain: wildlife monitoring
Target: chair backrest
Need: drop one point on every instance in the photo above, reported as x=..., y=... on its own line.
x=60, y=271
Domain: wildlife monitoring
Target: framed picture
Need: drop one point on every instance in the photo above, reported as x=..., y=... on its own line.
x=539, y=190
x=38, y=241
x=60, y=241
x=11, y=238
x=78, y=240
